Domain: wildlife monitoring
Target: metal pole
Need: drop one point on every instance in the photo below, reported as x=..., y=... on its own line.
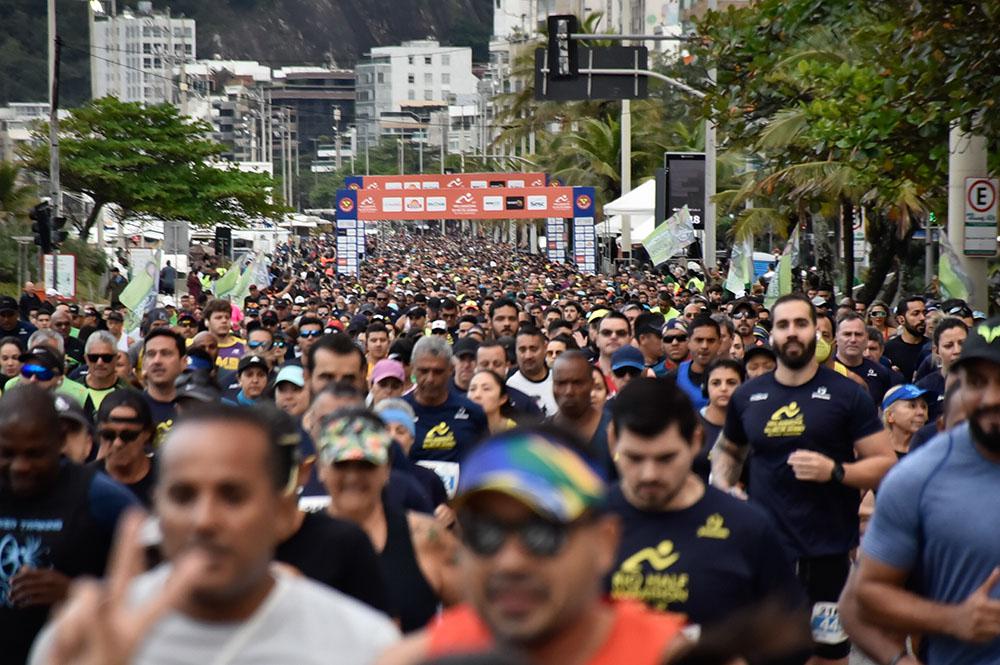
x=626, y=140
x=402, y=156
x=708, y=250
x=966, y=159
x=420, y=155
x=55, y=201
x=928, y=254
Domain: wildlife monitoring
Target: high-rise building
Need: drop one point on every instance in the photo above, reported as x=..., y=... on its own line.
x=134, y=54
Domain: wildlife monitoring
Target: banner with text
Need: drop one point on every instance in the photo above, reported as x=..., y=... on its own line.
x=555, y=239
x=350, y=245
x=507, y=203
x=585, y=244
x=446, y=181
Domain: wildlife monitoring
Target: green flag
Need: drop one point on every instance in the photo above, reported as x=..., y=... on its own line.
x=740, y=266
x=781, y=281
x=224, y=286
x=673, y=235
x=249, y=272
x=139, y=295
x=954, y=282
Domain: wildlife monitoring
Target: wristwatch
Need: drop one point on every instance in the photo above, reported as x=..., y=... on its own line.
x=837, y=475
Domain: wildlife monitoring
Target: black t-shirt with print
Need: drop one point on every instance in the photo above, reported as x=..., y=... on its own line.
x=827, y=414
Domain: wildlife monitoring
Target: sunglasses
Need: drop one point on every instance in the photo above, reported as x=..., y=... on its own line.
x=259, y=345
x=616, y=333
x=622, y=372
x=485, y=536
x=878, y=315
x=439, y=332
x=37, y=372
x=742, y=315
x=670, y=339
x=126, y=435
x=280, y=345
x=310, y=333
x=253, y=312
x=103, y=357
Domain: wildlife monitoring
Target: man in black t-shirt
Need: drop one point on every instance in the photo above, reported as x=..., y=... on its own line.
x=685, y=547
x=852, y=339
x=816, y=440
x=905, y=351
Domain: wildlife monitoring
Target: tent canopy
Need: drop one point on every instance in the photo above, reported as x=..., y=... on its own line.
x=641, y=227
x=640, y=201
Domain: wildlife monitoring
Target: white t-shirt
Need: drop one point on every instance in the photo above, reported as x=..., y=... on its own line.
x=300, y=622
x=540, y=391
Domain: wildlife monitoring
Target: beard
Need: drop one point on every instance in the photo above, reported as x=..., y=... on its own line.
x=799, y=360
x=916, y=331
x=987, y=439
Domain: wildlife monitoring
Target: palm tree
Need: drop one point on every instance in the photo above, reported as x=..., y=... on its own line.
x=14, y=196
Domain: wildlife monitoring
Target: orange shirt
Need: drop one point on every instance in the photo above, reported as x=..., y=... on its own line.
x=639, y=636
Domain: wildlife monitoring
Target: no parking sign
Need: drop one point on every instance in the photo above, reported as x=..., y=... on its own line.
x=980, y=217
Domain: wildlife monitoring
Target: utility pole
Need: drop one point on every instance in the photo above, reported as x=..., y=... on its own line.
x=626, y=149
x=966, y=159
x=402, y=156
x=708, y=251
x=55, y=201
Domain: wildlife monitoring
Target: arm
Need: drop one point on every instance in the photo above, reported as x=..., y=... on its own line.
x=437, y=556
x=727, y=462
x=875, y=459
x=883, y=601
x=877, y=643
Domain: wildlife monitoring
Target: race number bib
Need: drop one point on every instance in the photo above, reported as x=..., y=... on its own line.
x=826, y=628
x=448, y=473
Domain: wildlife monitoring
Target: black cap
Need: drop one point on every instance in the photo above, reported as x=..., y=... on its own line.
x=983, y=342
x=44, y=356
x=115, y=316
x=744, y=305
x=758, y=351
x=8, y=304
x=192, y=386
x=246, y=362
x=465, y=346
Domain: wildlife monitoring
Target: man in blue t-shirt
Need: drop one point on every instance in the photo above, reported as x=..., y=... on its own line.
x=448, y=424
x=931, y=552
x=704, y=342
x=816, y=440
x=685, y=547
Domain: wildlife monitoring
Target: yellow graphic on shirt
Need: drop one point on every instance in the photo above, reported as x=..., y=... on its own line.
x=786, y=421
x=439, y=437
x=714, y=528
x=655, y=587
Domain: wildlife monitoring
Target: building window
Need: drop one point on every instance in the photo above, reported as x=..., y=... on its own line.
x=381, y=77
x=147, y=47
x=410, y=78
x=427, y=59
x=428, y=95
x=428, y=78
x=445, y=60
x=409, y=59
x=411, y=94
x=446, y=79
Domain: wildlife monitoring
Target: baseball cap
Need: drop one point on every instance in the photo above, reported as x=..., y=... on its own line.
x=291, y=374
x=905, y=391
x=44, y=356
x=627, y=356
x=744, y=305
x=8, y=304
x=547, y=477
x=70, y=409
x=673, y=324
x=465, y=346
x=387, y=368
x=190, y=386
x=439, y=325
x=354, y=439
x=246, y=362
x=115, y=316
x=983, y=342
x=185, y=317
x=758, y=351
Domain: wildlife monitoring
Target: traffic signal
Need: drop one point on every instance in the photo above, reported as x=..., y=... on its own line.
x=41, y=217
x=563, y=58
x=57, y=235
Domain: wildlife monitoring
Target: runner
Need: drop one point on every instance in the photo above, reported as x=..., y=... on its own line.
x=904, y=350
x=704, y=342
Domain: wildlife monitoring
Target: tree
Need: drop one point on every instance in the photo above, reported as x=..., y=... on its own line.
x=150, y=160
x=15, y=198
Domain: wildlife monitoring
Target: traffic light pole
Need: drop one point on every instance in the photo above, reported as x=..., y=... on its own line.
x=55, y=201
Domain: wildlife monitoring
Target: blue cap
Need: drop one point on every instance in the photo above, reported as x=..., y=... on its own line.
x=627, y=356
x=906, y=391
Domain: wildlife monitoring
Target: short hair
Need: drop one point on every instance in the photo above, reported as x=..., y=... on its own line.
x=904, y=303
x=704, y=321
x=488, y=344
x=724, y=322
x=28, y=404
x=648, y=407
x=529, y=331
x=875, y=335
x=503, y=302
x=100, y=337
x=448, y=304
x=574, y=305
x=615, y=314
x=431, y=345
x=281, y=456
x=215, y=306
x=337, y=343
x=257, y=326
x=849, y=315
x=795, y=297
x=131, y=399
x=948, y=323
x=376, y=328
x=42, y=337
x=179, y=341
x=570, y=343
x=310, y=321
x=556, y=324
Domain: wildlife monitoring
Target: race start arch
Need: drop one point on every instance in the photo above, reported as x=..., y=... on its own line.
x=388, y=201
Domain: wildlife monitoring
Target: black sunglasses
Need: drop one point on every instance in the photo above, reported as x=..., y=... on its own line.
x=622, y=372
x=670, y=339
x=103, y=357
x=485, y=536
x=126, y=435
x=310, y=333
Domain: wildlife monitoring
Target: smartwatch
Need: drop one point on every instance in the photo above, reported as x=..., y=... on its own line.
x=837, y=475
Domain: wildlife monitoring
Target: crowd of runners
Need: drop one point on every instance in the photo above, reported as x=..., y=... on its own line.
x=468, y=454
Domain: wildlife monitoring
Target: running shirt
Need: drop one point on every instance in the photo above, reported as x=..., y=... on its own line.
x=638, y=635
x=690, y=382
x=904, y=355
x=934, y=517
x=230, y=353
x=539, y=391
x=876, y=376
x=827, y=414
x=446, y=433
x=706, y=561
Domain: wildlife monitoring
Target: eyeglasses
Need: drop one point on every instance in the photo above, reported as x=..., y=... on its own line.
x=622, y=372
x=259, y=345
x=126, y=435
x=484, y=536
x=103, y=357
x=37, y=372
x=310, y=333
x=878, y=315
x=742, y=315
x=671, y=339
x=616, y=333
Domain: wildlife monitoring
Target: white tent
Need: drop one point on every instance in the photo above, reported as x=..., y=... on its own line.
x=640, y=201
x=641, y=227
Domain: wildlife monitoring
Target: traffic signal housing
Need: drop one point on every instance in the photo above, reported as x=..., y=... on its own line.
x=57, y=236
x=41, y=218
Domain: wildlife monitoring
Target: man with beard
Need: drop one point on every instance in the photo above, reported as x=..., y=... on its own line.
x=905, y=350
x=723, y=554
x=929, y=558
x=816, y=440
x=704, y=342
x=503, y=318
x=744, y=317
x=533, y=377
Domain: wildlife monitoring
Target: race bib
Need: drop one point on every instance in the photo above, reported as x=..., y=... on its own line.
x=448, y=473
x=826, y=628
x=314, y=504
